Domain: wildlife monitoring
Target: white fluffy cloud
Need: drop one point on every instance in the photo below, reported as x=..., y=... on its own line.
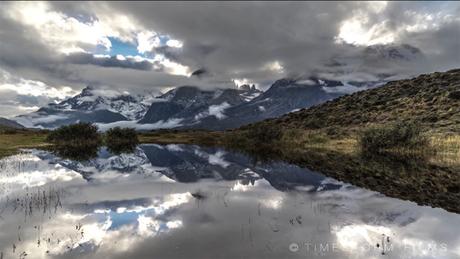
x=19, y=95
x=23, y=86
x=254, y=42
x=147, y=41
x=66, y=34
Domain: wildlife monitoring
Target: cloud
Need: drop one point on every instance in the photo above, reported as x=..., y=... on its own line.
x=147, y=41
x=65, y=33
x=171, y=123
x=72, y=44
x=214, y=110
x=19, y=95
x=109, y=61
x=33, y=122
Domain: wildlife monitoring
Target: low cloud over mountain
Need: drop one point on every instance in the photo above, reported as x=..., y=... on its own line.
x=54, y=50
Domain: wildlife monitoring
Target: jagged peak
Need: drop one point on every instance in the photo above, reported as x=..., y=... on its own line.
x=248, y=88
x=87, y=91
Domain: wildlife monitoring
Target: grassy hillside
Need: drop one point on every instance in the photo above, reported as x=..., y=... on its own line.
x=432, y=101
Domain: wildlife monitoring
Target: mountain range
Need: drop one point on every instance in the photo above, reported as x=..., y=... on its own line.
x=187, y=106
x=10, y=124
x=190, y=107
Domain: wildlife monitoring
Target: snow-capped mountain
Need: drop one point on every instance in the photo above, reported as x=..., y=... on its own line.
x=190, y=103
x=284, y=96
x=189, y=106
x=90, y=99
x=91, y=105
x=105, y=162
x=218, y=109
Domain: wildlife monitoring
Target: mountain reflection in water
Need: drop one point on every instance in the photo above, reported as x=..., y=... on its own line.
x=180, y=201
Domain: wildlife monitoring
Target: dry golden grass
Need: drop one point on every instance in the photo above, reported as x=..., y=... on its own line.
x=442, y=148
x=318, y=140
x=11, y=143
x=447, y=148
x=448, y=144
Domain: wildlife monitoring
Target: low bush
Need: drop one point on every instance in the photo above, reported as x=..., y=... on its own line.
x=80, y=134
x=121, y=135
x=78, y=153
x=396, y=135
x=120, y=140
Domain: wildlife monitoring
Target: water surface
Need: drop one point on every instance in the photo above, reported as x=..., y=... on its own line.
x=180, y=201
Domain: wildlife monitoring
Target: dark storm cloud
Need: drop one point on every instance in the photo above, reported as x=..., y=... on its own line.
x=259, y=41
x=231, y=38
x=113, y=61
x=239, y=39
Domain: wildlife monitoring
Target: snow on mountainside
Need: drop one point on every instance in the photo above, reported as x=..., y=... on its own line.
x=106, y=163
x=90, y=99
x=284, y=96
x=91, y=105
x=193, y=107
x=190, y=104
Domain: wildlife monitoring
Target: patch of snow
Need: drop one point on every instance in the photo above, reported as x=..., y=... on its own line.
x=217, y=110
x=248, y=97
x=214, y=159
x=174, y=148
x=218, y=159
x=217, y=93
x=89, y=98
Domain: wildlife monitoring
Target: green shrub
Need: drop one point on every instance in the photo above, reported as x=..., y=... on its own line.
x=395, y=135
x=80, y=134
x=118, y=134
x=78, y=153
x=120, y=140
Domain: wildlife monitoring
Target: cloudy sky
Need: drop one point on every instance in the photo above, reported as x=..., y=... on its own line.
x=50, y=51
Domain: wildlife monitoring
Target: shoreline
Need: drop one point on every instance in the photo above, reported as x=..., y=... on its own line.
x=424, y=178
